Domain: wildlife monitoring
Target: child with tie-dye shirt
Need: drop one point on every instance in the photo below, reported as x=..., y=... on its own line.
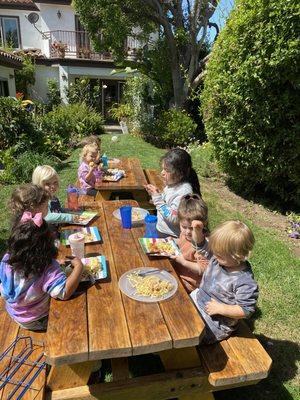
x=30, y=275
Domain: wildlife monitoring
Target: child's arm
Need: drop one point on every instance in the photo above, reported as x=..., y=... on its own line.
x=59, y=218
x=90, y=173
x=190, y=265
x=246, y=294
x=213, y=307
x=74, y=278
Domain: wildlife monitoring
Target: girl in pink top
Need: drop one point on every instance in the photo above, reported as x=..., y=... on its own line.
x=87, y=168
x=193, y=244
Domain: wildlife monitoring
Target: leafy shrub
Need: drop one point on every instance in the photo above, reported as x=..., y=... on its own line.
x=25, y=77
x=67, y=124
x=250, y=100
x=83, y=90
x=19, y=167
x=204, y=160
x=175, y=128
x=17, y=126
x=53, y=94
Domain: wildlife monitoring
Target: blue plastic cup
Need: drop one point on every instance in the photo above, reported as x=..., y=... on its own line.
x=125, y=212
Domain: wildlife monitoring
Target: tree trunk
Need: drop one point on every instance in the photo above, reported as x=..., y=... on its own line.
x=179, y=97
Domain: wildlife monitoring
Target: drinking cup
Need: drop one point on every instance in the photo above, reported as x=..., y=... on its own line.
x=126, y=212
x=76, y=241
x=72, y=195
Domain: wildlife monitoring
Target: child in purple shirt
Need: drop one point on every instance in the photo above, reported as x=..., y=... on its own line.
x=30, y=275
x=87, y=168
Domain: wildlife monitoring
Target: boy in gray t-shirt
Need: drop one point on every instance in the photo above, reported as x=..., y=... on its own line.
x=228, y=291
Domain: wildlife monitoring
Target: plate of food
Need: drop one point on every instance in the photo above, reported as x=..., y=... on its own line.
x=113, y=174
x=95, y=269
x=137, y=215
x=148, y=284
x=159, y=247
x=83, y=218
x=91, y=235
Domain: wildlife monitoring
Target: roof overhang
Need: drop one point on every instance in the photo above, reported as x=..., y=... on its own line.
x=9, y=60
x=74, y=62
x=19, y=5
x=62, y=2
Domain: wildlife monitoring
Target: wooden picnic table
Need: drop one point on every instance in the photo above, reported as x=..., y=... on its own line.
x=103, y=323
x=133, y=181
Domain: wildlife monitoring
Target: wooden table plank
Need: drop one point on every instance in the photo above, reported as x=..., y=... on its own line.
x=108, y=332
x=153, y=176
x=67, y=333
x=182, y=318
x=147, y=328
x=134, y=179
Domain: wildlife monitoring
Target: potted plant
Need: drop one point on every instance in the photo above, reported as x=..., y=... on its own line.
x=122, y=113
x=60, y=49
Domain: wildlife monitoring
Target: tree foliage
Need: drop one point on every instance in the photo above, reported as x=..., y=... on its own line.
x=183, y=24
x=250, y=101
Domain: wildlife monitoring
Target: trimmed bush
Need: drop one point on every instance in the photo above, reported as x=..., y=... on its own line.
x=67, y=124
x=17, y=126
x=250, y=101
x=175, y=128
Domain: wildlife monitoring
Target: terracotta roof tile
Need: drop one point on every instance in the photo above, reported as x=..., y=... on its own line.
x=21, y=4
x=8, y=59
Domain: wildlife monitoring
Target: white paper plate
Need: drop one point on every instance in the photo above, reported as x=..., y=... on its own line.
x=140, y=212
x=126, y=287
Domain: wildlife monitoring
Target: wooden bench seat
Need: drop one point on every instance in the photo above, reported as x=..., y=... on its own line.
x=9, y=331
x=190, y=373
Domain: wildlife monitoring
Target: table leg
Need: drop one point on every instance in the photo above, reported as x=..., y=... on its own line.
x=180, y=359
x=103, y=195
x=69, y=376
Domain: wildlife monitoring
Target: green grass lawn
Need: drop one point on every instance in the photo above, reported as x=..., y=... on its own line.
x=275, y=268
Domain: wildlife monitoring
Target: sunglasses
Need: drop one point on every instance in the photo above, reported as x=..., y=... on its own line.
x=192, y=196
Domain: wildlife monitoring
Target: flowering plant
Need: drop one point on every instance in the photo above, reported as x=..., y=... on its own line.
x=59, y=46
x=294, y=228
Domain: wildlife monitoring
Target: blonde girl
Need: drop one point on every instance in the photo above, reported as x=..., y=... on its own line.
x=46, y=177
x=89, y=160
x=228, y=291
x=193, y=243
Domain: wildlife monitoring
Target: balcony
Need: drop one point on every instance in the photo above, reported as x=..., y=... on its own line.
x=76, y=44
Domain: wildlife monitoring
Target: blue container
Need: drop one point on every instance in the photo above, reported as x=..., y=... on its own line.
x=150, y=228
x=104, y=159
x=126, y=212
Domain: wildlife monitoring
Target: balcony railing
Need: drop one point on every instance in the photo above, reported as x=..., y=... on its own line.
x=73, y=44
x=76, y=44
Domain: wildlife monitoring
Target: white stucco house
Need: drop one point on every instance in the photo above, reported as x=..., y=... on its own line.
x=8, y=64
x=52, y=30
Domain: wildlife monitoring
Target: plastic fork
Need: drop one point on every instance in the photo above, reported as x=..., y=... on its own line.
x=144, y=273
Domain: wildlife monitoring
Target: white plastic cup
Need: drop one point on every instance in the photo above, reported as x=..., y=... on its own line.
x=76, y=241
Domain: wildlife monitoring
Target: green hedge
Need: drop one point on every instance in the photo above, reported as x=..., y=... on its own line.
x=250, y=101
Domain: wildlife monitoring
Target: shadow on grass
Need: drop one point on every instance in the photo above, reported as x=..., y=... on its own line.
x=259, y=195
x=285, y=355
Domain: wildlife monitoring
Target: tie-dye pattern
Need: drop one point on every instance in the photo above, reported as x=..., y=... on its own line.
x=28, y=299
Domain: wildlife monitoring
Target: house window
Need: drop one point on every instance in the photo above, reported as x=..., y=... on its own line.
x=3, y=87
x=10, y=32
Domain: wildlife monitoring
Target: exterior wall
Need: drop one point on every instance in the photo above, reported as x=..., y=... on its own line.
x=42, y=75
x=30, y=37
x=66, y=75
x=9, y=75
x=50, y=22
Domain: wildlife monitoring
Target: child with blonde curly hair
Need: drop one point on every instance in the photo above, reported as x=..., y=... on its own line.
x=228, y=291
x=87, y=168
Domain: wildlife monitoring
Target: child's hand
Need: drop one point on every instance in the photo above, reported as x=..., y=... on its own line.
x=151, y=189
x=77, y=264
x=179, y=259
x=197, y=233
x=92, y=166
x=213, y=307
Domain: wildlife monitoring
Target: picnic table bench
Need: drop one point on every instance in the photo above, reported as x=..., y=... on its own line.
x=102, y=323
